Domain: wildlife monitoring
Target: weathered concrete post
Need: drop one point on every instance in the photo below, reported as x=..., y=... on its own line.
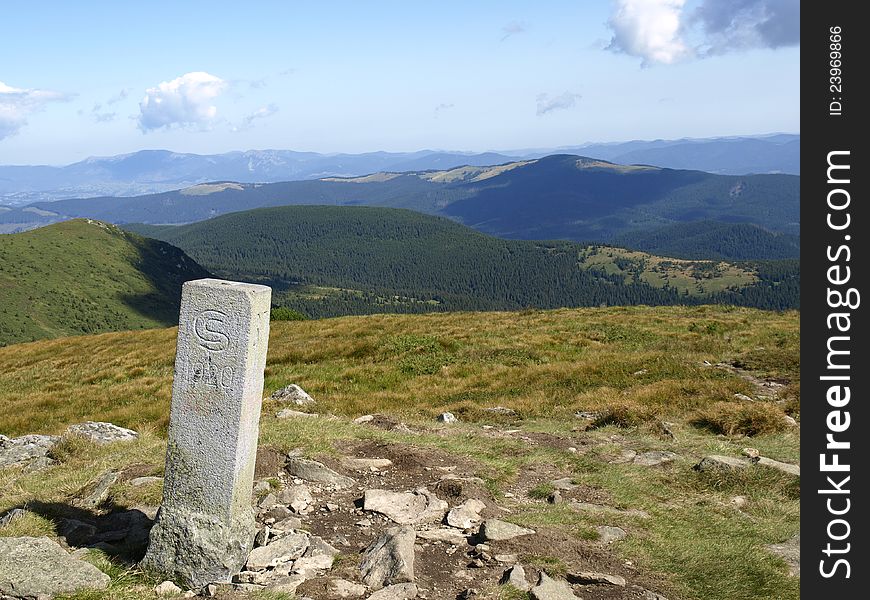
x=205, y=527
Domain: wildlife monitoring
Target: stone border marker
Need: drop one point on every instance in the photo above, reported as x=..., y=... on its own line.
x=205, y=527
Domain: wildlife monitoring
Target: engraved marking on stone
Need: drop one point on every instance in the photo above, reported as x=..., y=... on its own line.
x=210, y=327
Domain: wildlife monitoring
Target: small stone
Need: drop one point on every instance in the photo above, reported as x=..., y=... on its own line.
x=167, y=588
x=593, y=578
x=318, y=557
x=572, y=449
x=297, y=497
x=554, y=498
x=288, y=524
x=466, y=515
x=790, y=421
x=290, y=547
x=140, y=481
x=102, y=433
x=365, y=464
x=402, y=591
x=420, y=506
x=294, y=394
x=311, y=470
x=507, y=559
x=739, y=501
x=364, y=523
x=743, y=398
x=608, y=534
x=99, y=492
x=516, y=576
x=717, y=462
x=286, y=584
x=780, y=466
x=268, y=501
x=550, y=589
x=495, y=530
x=364, y=419
x=565, y=484
x=447, y=417
x=289, y=413
x=446, y=535
x=751, y=452
x=341, y=588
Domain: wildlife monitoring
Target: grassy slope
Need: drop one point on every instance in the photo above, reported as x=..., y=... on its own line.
x=544, y=364
x=85, y=277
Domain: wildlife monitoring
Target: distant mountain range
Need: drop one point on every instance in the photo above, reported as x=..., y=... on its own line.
x=153, y=171
x=556, y=197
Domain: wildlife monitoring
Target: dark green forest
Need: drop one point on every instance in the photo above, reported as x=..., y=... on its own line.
x=326, y=261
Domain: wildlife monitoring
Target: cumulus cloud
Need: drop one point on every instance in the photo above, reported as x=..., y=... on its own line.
x=17, y=104
x=547, y=103
x=742, y=24
x=183, y=101
x=666, y=32
x=650, y=29
x=512, y=28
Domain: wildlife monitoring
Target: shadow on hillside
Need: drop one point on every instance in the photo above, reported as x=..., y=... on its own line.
x=165, y=268
x=119, y=532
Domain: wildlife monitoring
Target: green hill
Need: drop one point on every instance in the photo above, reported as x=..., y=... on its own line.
x=85, y=276
x=556, y=197
x=713, y=240
x=327, y=261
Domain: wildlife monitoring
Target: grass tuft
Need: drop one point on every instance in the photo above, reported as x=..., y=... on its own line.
x=731, y=418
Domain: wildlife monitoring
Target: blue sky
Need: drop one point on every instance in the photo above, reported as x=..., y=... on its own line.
x=101, y=78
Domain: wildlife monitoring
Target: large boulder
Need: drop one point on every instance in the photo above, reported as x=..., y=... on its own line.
x=35, y=568
x=17, y=451
x=390, y=558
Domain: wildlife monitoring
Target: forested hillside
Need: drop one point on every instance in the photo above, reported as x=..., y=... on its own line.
x=328, y=261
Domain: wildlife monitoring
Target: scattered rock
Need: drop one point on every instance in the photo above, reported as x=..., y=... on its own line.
x=495, y=530
x=102, y=433
x=516, y=576
x=311, y=470
x=586, y=414
x=790, y=552
x=16, y=451
x=717, y=462
x=743, y=398
x=566, y=484
x=554, y=498
x=447, y=417
x=268, y=501
x=390, y=558
x=167, y=588
x=506, y=559
x=790, y=421
x=292, y=393
x=739, y=501
x=502, y=410
x=364, y=419
x=420, y=506
x=99, y=492
x=608, y=534
x=751, y=452
x=262, y=486
x=289, y=413
x=447, y=535
x=645, y=594
x=593, y=578
x=780, y=466
x=32, y=567
x=365, y=464
x=654, y=458
x=402, y=591
x=286, y=584
x=288, y=524
x=550, y=589
x=318, y=557
x=466, y=515
x=342, y=588
x=625, y=456
x=282, y=550
x=140, y=481
x=297, y=497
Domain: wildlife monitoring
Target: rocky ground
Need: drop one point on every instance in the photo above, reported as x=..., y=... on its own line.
x=373, y=518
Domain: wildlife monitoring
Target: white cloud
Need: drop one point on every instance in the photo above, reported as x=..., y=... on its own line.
x=120, y=96
x=261, y=113
x=512, y=28
x=183, y=101
x=650, y=29
x=17, y=104
x=665, y=32
x=547, y=103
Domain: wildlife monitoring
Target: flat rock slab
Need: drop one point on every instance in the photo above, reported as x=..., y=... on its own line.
x=550, y=589
x=780, y=466
x=311, y=470
x=33, y=567
x=717, y=462
x=495, y=530
x=293, y=394
x=406, y=508
x=365, y=464
x=608, y=534
x=289, y=413
x=565, y=484
x=282, y=550
x=102, y=433
x=653, y=458
x=790, y=552
x=16, y=451
x=446, y=535
x=342, y=588
x=390, y=558
x=402, y=591
x=593, y=578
